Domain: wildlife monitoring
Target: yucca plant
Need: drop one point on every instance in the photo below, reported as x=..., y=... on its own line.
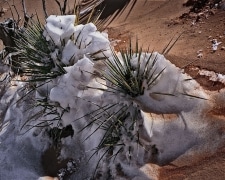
x=121, y=120
x=132, y=78
x=87, y=12
x=126, y=76
x=117, y=122
x=123, y=125
x=129, y=74
x=129, y=79
x=34, y=60
x=47, y=114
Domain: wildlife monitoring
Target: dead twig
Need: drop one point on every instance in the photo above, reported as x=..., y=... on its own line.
x=18, y=16
x=26, y=17
x=44, y=8
x=10, y=10
x=62, y=9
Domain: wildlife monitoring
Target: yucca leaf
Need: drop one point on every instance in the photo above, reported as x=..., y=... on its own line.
x=193, y=96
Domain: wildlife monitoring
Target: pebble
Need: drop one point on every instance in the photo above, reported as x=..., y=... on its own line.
x=199, y=51
x=200, y=55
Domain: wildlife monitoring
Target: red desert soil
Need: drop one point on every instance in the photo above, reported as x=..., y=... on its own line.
x=155, y=23
x=207, y=168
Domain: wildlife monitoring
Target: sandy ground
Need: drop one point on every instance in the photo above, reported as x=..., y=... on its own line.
x=155, y=23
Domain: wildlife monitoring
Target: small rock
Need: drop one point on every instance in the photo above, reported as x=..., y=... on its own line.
x=212, y=12
x=193, y=15
x=215, y=44
x=222, y=5
x=223, y=48
x=200, y=55
x=3, y=11
x=175, y=21
x=199, y=51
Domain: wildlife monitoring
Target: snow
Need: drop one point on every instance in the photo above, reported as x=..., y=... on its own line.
x=20, y=153
x=59, y=28
x=74, y=41
x=48, y=178
x=164, y=97
x=213, y=76
x=215, y=44
x=72, y=90
x=81, y=96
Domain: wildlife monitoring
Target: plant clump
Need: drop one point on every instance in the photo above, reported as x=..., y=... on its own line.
x=92, y=98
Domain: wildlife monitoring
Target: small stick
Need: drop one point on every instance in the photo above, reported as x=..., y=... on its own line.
x=64, y=7
x=44, y=9
x=60, y=7
x=26, y=17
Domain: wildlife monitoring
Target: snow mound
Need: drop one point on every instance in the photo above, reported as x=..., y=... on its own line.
x=112, y=133
x=74, y=41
